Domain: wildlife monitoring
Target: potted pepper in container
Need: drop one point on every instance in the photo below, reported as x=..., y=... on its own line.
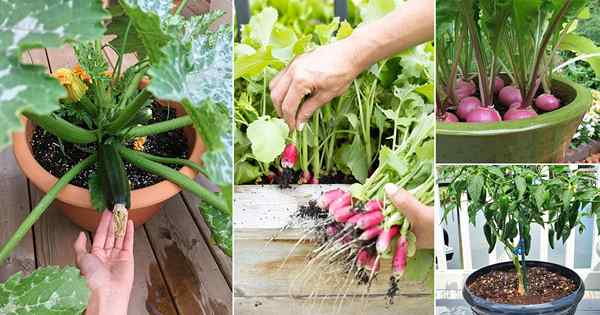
x=509, y=108
x=512, y=199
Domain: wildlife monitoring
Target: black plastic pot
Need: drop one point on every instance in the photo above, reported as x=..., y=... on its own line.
x=563, y=306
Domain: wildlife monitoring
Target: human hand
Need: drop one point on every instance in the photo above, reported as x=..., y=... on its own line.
x=324, y=73
x=108, y=268
x=420, y=216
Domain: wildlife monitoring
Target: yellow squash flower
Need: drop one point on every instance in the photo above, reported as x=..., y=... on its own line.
x=71, y=82
x=80, y=72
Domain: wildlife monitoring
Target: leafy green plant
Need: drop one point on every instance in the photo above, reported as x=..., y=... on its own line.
x=183, y=60
x=344, y=136
x=513, y=198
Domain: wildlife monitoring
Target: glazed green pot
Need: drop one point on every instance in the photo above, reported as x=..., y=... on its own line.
x=542, y=139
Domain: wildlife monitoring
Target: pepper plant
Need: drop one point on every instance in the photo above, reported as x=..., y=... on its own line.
x=179, y=59
x=513, y=198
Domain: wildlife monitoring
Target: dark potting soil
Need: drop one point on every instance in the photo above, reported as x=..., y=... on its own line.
x=58, y=157
x=501, y=286
x=289, y=177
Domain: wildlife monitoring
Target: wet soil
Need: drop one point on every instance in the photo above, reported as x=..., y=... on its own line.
x=500, y=286
x=58, y=157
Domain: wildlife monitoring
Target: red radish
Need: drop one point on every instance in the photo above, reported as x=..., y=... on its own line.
x=385, y=238
x=362, y=258
x=450, y=118
x=331, y=230
x=328, y=197
x=353, y=219
x=369, y=219
x=371, y=233
x=373, y=264
x=516, y=113
x=289, y=156
x=483, y=115
x=314, y=181
x=271, y=177
x=347, y=239
x=343, y=214
x=342, y=201
x=400, y=257
x=498, y=84
x=547, y=102
x=509, y=95
x=467, y=105
x=464, y=89
x=373, y=205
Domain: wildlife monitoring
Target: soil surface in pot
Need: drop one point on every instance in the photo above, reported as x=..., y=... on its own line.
x=58, y=157
x=500, y=286
x=287, y=178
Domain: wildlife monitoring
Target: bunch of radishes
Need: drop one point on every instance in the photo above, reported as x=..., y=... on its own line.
x=470, y=108
x=366, y=231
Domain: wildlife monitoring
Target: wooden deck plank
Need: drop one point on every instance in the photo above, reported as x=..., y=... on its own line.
x=193, y=276
x=221, y=258
x=14, y=206
x=403, y=305
x=280, y=277
x=150, y=294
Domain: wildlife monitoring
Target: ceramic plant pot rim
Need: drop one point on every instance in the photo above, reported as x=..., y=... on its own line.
x=564, y=302
x=577, y=108
x=80, y=197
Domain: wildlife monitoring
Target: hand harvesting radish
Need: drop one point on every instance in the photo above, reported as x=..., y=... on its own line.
x=328, y=71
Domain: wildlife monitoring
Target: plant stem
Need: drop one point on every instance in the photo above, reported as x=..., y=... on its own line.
x=129, y=112
x=122, y=51
x=44, y=203
x=160, y=127
x=62, y=128
x=174, y=176
x=88, y=106
x=131, y=88
x=554, y=23
x=168, y=160
x=182, y=5
x=452, y=78
x=316, y=163
x=472, y=27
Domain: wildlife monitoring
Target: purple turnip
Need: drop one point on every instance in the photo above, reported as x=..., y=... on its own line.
x=483, y=115
x=510, y=95
x=467, y=105
x=498, y=84
x=450, y=118
x=547, y=102
x=464, y=89
x=516, y=112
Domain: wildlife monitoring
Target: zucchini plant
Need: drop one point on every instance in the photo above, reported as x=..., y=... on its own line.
x=179, y=59
x=513, y=198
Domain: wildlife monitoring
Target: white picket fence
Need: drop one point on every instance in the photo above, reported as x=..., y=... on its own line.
x=453, y=279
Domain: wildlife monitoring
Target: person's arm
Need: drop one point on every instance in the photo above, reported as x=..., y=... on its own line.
x=328, y=71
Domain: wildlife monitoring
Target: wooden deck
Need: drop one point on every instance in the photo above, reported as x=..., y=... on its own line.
x=268, y=284
x=178, y=270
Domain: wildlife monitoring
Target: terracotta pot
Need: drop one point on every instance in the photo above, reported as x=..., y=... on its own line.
x=75, y=201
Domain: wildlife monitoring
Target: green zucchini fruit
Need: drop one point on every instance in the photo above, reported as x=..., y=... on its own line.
x=113, y=177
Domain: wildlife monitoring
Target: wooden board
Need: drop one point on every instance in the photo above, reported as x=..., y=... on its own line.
x=14, y=207
x=192, y=275
x=278, y=279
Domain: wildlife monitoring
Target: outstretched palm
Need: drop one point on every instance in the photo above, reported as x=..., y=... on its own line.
x=108, y=268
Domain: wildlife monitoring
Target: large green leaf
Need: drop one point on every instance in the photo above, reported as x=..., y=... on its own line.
x=48, y=23
x=220, y=226
x=49, y=291
x=582, y=46
x=24, y=87
x=267, y=136
x=145, y=16
x=199, y=76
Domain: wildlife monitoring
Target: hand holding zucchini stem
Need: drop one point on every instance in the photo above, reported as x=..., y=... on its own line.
x=115, y=185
